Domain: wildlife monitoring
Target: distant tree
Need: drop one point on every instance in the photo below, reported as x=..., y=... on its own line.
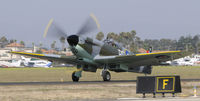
x=133, y=33
x=100, y=36
x=185, y=43
x=62, y=40
x=152, y=43
x=12, y=41
x=3, y=39
x=195, y=43
x=33, y=44
x=113, y=36
x=128, y=40
x=53, y=45
x=22, y=43
x=40, y=45
x=39, y=51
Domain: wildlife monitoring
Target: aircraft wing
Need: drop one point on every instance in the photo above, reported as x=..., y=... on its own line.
x=49, y=57
x=141, y=59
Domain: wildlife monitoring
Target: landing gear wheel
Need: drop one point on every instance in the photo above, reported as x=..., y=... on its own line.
x=74, y=78
x=106, y=76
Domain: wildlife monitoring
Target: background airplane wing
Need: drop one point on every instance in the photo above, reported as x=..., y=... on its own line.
x=142, y=59
x=49, y=57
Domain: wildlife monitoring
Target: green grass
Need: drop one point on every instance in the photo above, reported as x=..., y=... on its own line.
x=84, y=91
x=63, y=73
x=186, y=72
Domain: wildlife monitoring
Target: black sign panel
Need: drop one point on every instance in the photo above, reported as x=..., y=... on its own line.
x=165, y=84
x=158, y=84
x=142, y=83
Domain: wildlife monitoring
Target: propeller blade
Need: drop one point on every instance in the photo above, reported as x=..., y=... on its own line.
x=90, y=25
x=54, y=31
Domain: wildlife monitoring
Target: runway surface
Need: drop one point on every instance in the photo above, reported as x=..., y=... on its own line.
x=161, y=99
x=80, y=82
x=146, y=99
x=65, y=82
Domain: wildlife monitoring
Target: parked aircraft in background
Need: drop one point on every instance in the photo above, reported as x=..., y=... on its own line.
x=32, y=62
x=193, y=60
x=26, y=62
x=11, y=63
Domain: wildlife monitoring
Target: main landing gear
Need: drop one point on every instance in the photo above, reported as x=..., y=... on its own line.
x=74, y=77
x=105, y=74
x=77, y=74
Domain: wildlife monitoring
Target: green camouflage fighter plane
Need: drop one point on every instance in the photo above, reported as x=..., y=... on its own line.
x=90, y=54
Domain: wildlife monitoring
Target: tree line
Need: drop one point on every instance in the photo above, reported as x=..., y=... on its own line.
x=4, y=41
x=131, y=41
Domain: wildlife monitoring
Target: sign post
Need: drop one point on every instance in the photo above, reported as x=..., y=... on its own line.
x=158, y=84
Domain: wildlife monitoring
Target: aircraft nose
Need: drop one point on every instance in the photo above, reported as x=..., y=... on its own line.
x=73, y=40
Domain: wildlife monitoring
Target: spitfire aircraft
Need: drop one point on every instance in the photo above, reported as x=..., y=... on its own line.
x=91, y=54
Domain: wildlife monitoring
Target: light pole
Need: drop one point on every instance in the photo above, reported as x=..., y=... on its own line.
x=186, y=46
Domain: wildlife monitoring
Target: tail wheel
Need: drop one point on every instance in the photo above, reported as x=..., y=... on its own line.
x=75, y=78
x=106, y=76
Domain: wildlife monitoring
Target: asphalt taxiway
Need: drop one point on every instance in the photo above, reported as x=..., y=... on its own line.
x=146, y=99
x=115, y=90
x=161, y=99
x=64, y=82
x=80, y=82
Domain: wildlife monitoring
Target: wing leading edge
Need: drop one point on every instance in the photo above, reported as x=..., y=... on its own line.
x=49, y=57
x=142, y=59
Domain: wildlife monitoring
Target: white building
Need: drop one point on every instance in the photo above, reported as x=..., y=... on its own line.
x=5, y=55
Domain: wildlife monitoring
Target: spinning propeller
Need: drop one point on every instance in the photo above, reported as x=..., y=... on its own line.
x=54, y=31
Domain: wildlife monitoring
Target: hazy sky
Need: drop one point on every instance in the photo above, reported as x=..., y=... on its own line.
x=154, y=19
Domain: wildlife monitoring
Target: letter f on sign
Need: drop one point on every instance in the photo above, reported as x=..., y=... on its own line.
x=165, y=83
